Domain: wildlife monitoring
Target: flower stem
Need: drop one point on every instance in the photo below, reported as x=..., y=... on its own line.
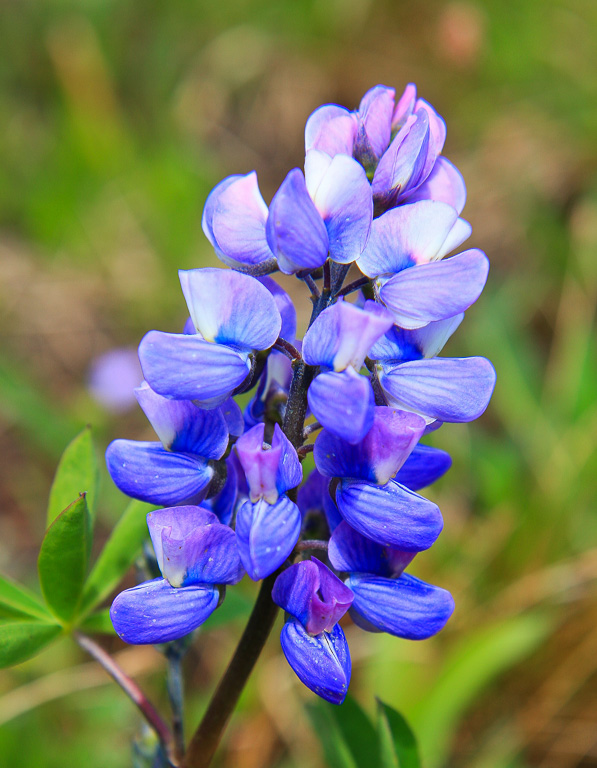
x=129, y=686
x=207, y=737
x=354, y=286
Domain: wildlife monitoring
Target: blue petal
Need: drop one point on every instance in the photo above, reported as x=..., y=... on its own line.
x=149, y=472
x=188, y=368
x=379, y=455
x=331, y=129
x=430, y=292
x=343, y=403
x=407, y=235
x=207, y=555
x=266, y=535
x=423, y=467
x=444, y=183
x=375, y=124
x=449, y=389
x=342, y=195
x=285, y=307
x=343, y=334
x=234, y=221
x=209, y=208
x=270, y=470
x=310, y=592
x=390, y=514
x=402, y=164
x=231, y=308
x=183, y=427
x=406, y=607
x=322, y=663
x=351, y=552
x=178, y=522
x=233, y=416
x=155, y=612
x=295, y=230
x=401, y=346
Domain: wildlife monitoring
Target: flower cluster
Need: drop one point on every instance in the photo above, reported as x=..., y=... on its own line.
x=378, y=198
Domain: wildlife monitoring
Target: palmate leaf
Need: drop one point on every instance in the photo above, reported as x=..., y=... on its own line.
x=99, y=623
x=16, y=600
x=118, y=554
x=19, y=640
x=77, y=473
x=64, y=558
x=397, y=742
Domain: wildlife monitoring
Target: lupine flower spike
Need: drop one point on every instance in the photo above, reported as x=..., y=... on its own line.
x=362, y=390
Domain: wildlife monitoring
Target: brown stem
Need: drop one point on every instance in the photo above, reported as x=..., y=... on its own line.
x=207, y=737
x=130, y=687
x=289, y=349
x=353, y=286
x=308, y=544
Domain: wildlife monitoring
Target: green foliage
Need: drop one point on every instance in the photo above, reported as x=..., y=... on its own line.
x=323, y=722
x=19, y=640
x=350, y=739
x=64, y=559
x=397, y=742
x=98, y=622
x=77, y=473
x=118, y=554
x=16, y=600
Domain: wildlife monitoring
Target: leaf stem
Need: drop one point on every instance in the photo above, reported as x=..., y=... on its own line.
x=130, y=687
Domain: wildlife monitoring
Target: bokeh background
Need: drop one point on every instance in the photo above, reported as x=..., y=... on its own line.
x=116, y=120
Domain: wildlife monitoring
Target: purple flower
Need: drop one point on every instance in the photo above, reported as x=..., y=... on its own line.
x=385, y=598
x=177, y=469
x=313, y=643
x=112, y=378
x=439, y=388
x=367, y=496
x=326, y=211
x=195, y=554
x=375, y=192
x=234, y=316
x=268, y=524
x=338, y=341
x=399, y=145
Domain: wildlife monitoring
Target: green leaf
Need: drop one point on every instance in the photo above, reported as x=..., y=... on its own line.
x=63, y=559
x=336, y=753
x=118, y=554
x=398, y=744
x=77, y=473
x=19, y=640
x=16, y=599
x=358, y=732
x=99, y=622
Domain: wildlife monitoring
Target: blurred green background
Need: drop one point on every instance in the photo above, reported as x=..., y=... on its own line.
x=116, y=120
